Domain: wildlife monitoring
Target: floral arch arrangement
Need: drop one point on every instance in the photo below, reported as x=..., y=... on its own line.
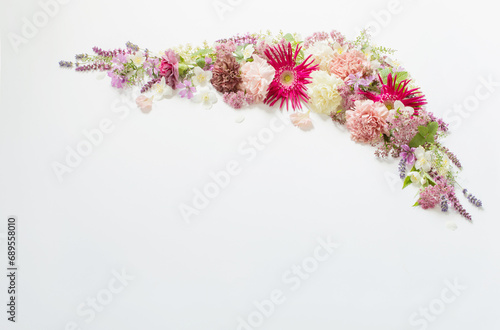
x=354, y=82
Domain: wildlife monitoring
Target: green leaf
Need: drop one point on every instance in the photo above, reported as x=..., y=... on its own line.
x=429, y=178
x=433, y=128
x=182, y=69
x=407, y=182
x=430, y=139
x=423, y=130
x=416, y=204
x=417, y=141
x=384, y=73
x=288, y=37
x=201, y=62
x=402, y=76
x=238, y=57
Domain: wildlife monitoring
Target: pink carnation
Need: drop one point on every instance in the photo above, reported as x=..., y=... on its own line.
x=350, y=62
x=257, y=76
x=367, y=121
x=169, y=68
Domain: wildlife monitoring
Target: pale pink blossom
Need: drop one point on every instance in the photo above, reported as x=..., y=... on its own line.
x=145, y=103
x=257, y=76
x=301, y=119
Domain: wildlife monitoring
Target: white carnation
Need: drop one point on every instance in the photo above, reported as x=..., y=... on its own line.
x=323, y=92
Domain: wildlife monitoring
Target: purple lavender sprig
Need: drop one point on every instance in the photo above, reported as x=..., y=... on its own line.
x=240, y=40
x=451, y=156
x=132, y=47
x=110, y=53
x=402, y=168
x=457, y=206
x=65, y=64
x=80, y=57
x=475, y=201
x=444, y=204
x=94, y=67
x=149, y=84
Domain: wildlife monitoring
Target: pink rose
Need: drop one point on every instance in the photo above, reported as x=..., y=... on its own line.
x=367, y=121
x=350, y=62
x=169, y=68
x=256, y=77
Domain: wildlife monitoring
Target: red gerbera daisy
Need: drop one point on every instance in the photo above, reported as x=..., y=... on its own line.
x=290, y=79
x=392, y=91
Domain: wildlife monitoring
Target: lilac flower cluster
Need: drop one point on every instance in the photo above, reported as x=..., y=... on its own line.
x=315, y=37
x=237, y=100
x=429, y=197
x=339, y=38
x=225, y=48
x=432, y=194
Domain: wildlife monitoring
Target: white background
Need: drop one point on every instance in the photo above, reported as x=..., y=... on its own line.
x=119, y=209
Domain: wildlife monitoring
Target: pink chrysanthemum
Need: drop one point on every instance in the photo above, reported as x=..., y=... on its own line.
x=392, y=91
x=290, y=80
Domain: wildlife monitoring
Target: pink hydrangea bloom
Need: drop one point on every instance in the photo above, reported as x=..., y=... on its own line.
x=256, y=77
x=350, y=62
x=169, y=68
x=367, y=121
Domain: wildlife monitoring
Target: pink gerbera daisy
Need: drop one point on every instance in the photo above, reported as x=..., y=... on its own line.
x=392, y=91
x=290, y=80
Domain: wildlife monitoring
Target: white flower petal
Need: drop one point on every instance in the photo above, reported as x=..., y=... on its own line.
x=451, y=225
x=239, y=118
